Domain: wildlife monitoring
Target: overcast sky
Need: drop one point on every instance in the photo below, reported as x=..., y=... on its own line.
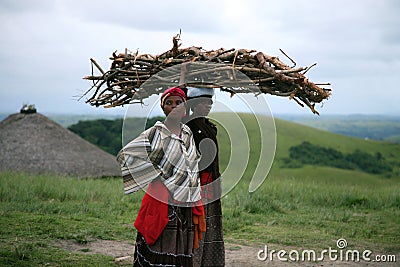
x=46, y=46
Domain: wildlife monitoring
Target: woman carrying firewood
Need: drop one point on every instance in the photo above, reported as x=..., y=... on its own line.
x=211, y=251
x=170, y=221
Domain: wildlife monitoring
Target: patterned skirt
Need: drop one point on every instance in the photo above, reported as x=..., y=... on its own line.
x=212, y=250
x=175, y=245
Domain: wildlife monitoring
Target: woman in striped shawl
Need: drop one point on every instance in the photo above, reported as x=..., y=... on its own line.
x=171, y=220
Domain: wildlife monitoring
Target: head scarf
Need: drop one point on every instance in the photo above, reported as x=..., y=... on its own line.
x=174, y=91
x=193, y=92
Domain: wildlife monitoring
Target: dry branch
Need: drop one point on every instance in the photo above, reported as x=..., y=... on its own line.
x=232, y=70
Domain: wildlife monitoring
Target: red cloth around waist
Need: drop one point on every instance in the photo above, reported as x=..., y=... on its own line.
x=153, y=213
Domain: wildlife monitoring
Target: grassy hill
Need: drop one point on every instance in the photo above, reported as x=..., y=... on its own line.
x=309, y=207
x=290, y=134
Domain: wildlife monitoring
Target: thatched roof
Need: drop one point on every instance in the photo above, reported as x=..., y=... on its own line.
x=32, y=143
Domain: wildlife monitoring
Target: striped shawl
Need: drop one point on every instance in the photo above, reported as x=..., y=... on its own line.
x=158, y=154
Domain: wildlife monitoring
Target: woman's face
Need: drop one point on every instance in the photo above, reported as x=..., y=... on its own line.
x=174, y=107
x=203, y=107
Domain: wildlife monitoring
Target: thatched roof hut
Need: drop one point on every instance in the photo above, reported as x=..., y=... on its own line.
x=32, y=143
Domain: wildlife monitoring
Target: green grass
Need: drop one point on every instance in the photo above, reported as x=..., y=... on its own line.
x=308, y=207
x=36, y=210
x=310, y=212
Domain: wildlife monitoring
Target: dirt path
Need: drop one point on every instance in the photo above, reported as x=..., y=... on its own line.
x=236, y=255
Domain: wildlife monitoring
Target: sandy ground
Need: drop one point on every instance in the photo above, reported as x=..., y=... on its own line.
x=236, y=255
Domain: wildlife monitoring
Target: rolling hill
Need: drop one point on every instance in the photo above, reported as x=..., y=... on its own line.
x=291, y=134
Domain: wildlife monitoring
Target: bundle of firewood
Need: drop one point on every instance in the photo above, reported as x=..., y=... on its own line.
x=133, y=77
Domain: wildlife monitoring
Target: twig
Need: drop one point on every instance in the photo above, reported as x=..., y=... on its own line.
x=97, y=65
x=307, y=69
x=294, y=63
